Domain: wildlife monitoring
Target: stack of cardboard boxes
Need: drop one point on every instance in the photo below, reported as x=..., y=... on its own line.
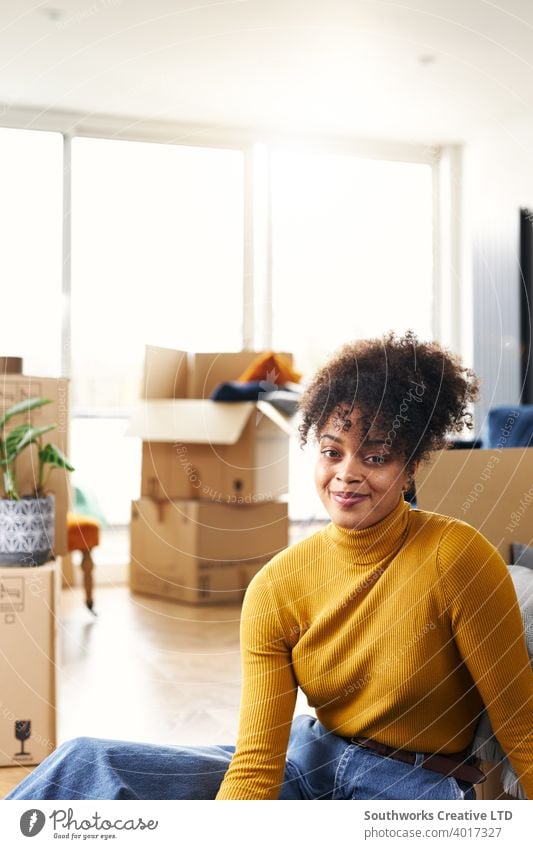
x=214, y=480
x=29, y=594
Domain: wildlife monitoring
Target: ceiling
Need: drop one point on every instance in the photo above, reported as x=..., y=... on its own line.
x=430, y=71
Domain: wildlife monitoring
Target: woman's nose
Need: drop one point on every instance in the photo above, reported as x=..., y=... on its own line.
x=350, y=469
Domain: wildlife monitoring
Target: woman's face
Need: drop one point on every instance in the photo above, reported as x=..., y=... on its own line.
x=359, y=482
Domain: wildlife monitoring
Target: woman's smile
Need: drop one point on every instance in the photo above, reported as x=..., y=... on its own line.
x=348, y=499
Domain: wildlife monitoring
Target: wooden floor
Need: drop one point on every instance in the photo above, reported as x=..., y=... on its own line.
x=146, y=669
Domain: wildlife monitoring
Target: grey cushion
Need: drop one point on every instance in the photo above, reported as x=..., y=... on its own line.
x=485, y=744
x=522, y=554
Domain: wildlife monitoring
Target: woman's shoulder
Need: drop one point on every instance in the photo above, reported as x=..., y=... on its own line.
x=278, y=584
x=296, y=552
x=441, y=523
x=460, y=547
x=454, y=540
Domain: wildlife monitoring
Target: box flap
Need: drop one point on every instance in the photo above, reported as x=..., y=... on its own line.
x=285, y=423
x=190, y=420
x=165, y=373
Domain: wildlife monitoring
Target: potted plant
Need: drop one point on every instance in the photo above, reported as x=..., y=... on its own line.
x=27, y=522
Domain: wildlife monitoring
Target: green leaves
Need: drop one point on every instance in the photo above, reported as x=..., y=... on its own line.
x=53, y=455
x=19, y=438
x=10, y=486
x=23, y=407
x=22, y=436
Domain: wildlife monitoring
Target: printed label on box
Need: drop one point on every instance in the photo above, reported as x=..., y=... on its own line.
x=15, y=392
x=12, y=595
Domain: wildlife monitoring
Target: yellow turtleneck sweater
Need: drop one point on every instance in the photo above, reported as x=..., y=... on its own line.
x=402, y=632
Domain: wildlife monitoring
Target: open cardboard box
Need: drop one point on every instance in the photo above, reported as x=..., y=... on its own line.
x=218, y=451
x=233, y=453
x=28, y=662
x=194, y=551
x=15, y=388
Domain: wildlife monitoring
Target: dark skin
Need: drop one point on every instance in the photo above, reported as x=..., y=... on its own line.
x=359, y=482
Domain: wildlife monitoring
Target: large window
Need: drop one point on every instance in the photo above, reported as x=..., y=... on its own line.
x=352, y=251
x=31, y=172
x=157, y=258
x=157, y=253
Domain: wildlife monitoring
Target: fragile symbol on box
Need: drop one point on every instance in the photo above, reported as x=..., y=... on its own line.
x=22, y=733
x=12, y=595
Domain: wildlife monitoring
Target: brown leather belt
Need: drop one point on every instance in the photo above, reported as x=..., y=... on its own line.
x=451, y=764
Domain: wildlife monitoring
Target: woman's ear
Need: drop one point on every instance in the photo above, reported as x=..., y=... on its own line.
x=411, y=471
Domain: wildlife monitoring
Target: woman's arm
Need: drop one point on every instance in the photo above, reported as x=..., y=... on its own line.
x=267, y=700
x=489, y=633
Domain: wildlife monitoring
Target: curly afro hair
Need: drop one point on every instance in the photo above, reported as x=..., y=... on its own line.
x=408, y=393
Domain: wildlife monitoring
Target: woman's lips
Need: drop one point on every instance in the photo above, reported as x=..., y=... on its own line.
x=348, y=499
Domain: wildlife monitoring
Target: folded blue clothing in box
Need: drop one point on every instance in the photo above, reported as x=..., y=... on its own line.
x=234, y=390
x=285, y=400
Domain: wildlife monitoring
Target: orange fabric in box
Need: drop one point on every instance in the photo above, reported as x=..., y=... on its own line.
x=272, y=367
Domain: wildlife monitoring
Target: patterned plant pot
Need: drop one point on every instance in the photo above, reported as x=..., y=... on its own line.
x=27, y=531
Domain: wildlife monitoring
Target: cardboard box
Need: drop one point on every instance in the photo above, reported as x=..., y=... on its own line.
x=490, y=488
x=15, y=388
x=28, y=659
x=197, y=552
x=202, y=449
x=234, y=453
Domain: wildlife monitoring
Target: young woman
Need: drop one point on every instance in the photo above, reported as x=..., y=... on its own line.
x=400, y=626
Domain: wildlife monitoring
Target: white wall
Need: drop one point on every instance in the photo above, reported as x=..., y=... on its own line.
x=498, y=180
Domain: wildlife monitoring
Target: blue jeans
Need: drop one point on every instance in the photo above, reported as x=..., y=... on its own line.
x=319, y=765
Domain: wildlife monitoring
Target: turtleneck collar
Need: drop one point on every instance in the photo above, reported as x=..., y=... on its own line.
x=375, y=543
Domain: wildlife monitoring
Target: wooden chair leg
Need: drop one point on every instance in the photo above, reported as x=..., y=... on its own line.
x=87, y=566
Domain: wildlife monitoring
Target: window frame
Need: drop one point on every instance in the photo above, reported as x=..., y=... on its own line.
x=451, y=284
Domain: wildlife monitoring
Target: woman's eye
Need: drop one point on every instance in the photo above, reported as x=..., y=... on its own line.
x=376, y=459
x=330, y=452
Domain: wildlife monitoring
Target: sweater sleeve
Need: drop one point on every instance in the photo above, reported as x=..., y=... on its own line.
x=489, y=633
x=268, y=699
